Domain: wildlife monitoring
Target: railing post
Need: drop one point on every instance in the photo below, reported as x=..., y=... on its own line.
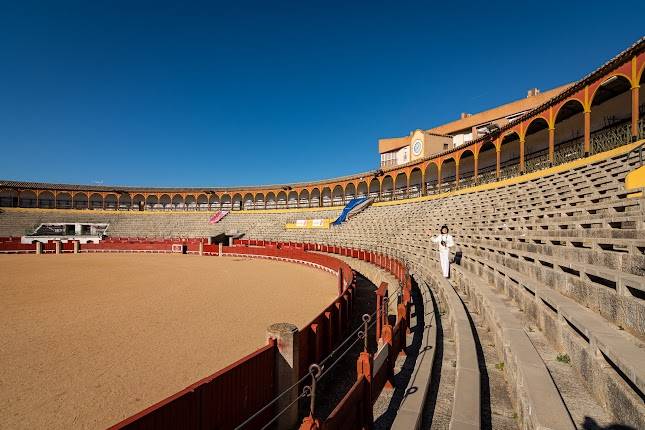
x=364, y=368
x=310, y=422
x=402, y=317
x=287, y=368
x=387, y=338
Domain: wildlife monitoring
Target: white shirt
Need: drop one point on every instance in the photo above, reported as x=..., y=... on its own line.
x=447, y=239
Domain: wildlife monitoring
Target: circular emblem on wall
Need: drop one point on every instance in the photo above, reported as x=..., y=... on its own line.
x=417, y=147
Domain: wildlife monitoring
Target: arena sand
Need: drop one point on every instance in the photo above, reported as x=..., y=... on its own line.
x=87, y=340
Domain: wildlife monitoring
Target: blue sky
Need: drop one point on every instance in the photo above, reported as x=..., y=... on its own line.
x=240, y=93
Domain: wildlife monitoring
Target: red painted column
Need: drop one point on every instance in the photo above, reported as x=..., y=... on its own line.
x=457, y=174
x=587, y=144
x=551, y=145
x=424, y=185
x=635, y=95
x=476, y=167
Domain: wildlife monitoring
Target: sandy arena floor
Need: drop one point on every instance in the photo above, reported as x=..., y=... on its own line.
x=87, y=340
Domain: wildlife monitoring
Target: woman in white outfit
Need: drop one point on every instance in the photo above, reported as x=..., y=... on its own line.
x=445, y=242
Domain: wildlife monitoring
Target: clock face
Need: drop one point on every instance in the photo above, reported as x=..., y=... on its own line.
x=417, y=147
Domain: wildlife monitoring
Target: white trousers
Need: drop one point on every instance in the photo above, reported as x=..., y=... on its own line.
x=444, y=258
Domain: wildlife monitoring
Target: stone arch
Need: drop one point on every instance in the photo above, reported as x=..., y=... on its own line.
x=611, y=86
x=80, y=200
x=292, y=199
x=271, y=202
x=110, y=201
x=569, y=126
x=487, y=162
x=125, y=201
x=361, y=190
x=387, y=188
x=177, y=201
x=401, y=186
x=432, y=178
x=27, y=199
x=165, y=202
x=248, y=201
x=237, y=202
x=416, y=182
x=467, y=167
x=326, y=196
x=214, y=202
x=640, y=76
x=152, y=202
x=46, y=199
x=610, y=107
x=202, y=202
x=338, y=196
x=303, y=198
x=374, y=188
x=227, y=202
x=190, y=202
x=536, y=144
x=260, y=201
x=8, y=198
x=350, y=191
x=64, y=200
x=510, y=154
x=315, y=197
x=138, y=201
x=95, y=201
x=281, y=199
x=448, y=173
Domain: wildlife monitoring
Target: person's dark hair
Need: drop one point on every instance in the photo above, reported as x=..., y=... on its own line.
x=442, y=227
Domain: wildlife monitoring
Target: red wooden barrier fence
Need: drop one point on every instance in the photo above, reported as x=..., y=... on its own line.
x=221, y=401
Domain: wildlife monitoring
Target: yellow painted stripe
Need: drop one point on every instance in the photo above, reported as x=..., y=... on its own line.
x=635, y=179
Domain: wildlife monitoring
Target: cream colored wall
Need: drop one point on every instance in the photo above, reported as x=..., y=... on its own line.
x=418, y=135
